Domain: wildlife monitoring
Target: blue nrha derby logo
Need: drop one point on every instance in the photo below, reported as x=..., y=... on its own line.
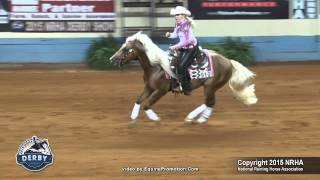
x=34, y=154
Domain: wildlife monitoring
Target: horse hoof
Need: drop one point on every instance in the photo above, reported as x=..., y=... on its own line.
x=202, y=122
x=188, y=121
x=132, y=125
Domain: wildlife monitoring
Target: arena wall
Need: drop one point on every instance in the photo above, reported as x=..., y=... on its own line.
x=272, y=40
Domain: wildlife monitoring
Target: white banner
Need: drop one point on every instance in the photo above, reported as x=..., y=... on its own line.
x=62, y=16
x=25, y=2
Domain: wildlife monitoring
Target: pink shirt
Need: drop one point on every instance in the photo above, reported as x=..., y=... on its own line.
x=183, y=30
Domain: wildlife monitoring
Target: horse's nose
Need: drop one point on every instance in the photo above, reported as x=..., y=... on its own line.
x=112, y=60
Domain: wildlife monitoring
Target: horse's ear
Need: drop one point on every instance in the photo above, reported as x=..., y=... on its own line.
x=139, y=46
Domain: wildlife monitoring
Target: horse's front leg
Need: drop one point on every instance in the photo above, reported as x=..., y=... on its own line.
x=136, y=109
x=154, y=97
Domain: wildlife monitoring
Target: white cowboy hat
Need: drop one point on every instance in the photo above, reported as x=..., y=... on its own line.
x=180, y=10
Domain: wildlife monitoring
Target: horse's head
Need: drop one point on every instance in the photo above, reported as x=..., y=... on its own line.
x=129, y=51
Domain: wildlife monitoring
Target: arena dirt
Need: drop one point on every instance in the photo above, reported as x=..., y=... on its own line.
x=85, y=116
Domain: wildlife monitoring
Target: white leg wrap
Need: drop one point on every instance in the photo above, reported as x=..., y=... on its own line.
x=135, y=111
x=197, y=111
x=205, y=115
x=152, y=115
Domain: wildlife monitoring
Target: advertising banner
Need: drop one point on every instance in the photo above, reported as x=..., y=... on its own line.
x=305, y=9
x=61, y=15
x=4, y=15
x=237, y=9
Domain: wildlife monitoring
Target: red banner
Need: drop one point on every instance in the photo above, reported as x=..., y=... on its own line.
x=62, y=15
x=239, y=4
x=239, y=9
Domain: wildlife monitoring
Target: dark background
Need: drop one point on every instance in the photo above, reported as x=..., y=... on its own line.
x=280, y=12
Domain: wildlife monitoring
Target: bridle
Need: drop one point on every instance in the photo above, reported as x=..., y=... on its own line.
x=127, y=51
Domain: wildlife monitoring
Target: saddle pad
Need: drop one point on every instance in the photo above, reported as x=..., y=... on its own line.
x=202, y=68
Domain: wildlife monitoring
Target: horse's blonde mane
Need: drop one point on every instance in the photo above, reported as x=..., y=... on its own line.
x=154, y=53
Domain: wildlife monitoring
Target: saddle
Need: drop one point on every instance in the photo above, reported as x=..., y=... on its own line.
x=201, y=68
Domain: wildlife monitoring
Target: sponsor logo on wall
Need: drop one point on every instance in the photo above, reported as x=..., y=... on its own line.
x=239, y=9
x=62, y=15
x=305, y=9
x=4, y=16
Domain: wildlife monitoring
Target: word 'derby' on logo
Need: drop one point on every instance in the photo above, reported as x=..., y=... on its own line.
x=34, y=154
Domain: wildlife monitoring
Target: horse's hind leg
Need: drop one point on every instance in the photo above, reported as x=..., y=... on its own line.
x=210, y=97
x=195, y=113
x=204, y=111
x=210, y=101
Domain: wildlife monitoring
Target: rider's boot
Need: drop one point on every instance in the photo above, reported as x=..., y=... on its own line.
x=186, y=86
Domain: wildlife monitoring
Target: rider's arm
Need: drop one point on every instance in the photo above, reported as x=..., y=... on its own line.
x=174, y=34
x=187, y=39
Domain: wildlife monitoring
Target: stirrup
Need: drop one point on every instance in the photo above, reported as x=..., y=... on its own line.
x=178, y=88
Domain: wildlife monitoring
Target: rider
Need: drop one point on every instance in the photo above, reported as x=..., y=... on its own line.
x=187, y=44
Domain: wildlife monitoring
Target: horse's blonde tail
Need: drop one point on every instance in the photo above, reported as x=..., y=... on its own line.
x=240, y=84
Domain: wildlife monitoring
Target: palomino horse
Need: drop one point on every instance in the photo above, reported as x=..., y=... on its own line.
x=156, y=67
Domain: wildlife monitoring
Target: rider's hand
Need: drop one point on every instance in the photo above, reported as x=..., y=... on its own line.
x=172, y=48
x=167, y=34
